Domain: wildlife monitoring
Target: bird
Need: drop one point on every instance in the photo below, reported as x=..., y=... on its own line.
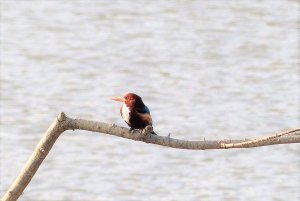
x=134, y=112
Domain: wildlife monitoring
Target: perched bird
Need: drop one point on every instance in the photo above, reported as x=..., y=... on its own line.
x=134, y=112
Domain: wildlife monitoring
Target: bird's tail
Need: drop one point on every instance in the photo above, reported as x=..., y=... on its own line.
x=153, y=133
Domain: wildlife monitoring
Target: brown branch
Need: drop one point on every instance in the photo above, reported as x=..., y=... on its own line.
x=63, y=123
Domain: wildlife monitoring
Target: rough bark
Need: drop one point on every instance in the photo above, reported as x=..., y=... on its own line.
x=63, y=123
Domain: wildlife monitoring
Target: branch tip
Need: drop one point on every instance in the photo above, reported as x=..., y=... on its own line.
x=61, y=117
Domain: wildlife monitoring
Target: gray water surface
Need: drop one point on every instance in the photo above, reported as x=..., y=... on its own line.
x=206, y=69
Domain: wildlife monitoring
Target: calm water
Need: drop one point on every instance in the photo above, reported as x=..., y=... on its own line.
x=213, y=69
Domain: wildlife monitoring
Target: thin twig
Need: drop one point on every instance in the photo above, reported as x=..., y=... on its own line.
x=259, y=140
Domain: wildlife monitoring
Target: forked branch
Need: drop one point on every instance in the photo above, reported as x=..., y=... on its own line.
x=63, y=123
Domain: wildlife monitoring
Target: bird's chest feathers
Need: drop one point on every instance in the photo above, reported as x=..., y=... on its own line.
x=125, y=113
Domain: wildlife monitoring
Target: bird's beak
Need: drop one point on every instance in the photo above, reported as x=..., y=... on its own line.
x=120, y=99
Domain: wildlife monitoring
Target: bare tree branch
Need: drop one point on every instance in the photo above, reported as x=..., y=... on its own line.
x=63, y=123
x=260, y=141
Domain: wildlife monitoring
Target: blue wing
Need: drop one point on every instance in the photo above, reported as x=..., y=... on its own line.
x=144, y=113
x=143, y=110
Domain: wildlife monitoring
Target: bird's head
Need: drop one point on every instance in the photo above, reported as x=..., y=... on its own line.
x=130, y=99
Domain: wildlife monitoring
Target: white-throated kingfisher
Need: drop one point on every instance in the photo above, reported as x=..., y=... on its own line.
x=134, y=112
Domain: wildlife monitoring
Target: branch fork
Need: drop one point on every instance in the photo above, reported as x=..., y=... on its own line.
x=63, y=123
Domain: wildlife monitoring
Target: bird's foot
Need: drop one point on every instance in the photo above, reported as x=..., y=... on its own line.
x=147, y=131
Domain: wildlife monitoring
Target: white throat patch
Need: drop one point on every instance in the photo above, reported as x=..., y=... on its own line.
x=125, y=113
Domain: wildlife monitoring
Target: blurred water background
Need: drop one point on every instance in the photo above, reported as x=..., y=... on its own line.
x=213, y=69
